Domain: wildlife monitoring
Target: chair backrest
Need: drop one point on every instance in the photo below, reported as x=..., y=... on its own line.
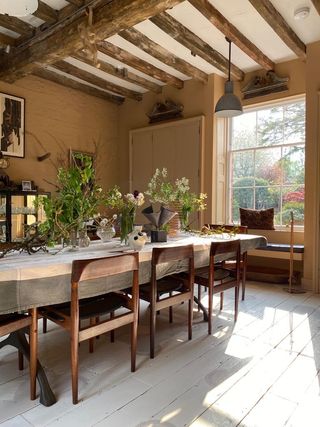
x=240, y=229
x=170, y=254
x=229, y=250
x=95, y=268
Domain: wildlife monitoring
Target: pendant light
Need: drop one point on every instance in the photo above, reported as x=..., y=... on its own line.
x=229, y=105
x=18, y=7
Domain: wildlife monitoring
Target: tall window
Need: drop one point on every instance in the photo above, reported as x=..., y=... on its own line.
x=266, y=161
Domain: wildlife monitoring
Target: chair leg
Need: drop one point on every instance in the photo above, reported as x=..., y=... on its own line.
x=152, y=329
x=134, y=335
x=97, y=321
x=221, y=300
x=170, y=310
x=112, y=332
x=91, y=340
x=244, y=273
x=199, y=296
x=190, y=316
x=33, y=352
x=44, y=325
x=74, y=342
x=210, y=295
x=20, y=359
x=236, y=303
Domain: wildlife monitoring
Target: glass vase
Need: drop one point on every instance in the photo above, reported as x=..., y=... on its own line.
x=106, y=233
x=126, y=225
x=84, y=239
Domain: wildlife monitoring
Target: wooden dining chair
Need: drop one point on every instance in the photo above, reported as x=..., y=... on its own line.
x=240, y=229
x=69, y=315
x=13, y=325
x=170, y=290
x=225, y=277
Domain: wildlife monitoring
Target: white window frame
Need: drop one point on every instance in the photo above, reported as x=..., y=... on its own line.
x=254, y=108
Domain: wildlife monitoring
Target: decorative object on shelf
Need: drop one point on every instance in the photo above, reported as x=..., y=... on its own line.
x=12, y=125
x=158, y=220
x=26, y=185
x=229, y=105
x=264, y=85
x=18, y=8
x=137, y=239
x=78, y=198
x=165, y=111
x=4, y=162
x=126, y=206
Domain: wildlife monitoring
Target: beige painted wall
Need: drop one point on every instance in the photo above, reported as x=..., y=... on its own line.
x=198, y=99
x=63, y=118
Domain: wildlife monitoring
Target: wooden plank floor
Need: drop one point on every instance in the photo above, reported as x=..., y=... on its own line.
x=263, y=371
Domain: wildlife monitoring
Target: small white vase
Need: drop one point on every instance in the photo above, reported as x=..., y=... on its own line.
x=137, y=239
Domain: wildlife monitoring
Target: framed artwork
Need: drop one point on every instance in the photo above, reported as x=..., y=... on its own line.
x=26, y=185
x=76, y=161
x=12, y=125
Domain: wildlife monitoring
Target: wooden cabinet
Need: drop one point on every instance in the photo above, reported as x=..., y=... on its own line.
x=17, y=210
x=177, y=146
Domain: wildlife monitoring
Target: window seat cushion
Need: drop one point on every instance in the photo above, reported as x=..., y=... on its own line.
x=282, y=247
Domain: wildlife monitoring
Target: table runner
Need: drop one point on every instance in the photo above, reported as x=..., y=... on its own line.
x=28, y=281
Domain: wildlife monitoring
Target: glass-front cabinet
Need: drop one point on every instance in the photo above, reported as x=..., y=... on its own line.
x=17, y=211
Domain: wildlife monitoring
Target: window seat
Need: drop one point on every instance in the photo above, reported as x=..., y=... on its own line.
x=278, y=250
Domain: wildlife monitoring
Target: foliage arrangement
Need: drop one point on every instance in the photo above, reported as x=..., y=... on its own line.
x=160, y=190
x=78, y=198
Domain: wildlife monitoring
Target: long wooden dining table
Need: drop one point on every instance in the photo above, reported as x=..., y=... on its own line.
x=31, y=281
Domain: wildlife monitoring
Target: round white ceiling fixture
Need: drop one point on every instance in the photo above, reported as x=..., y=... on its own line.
x=18, y=7
x=301, y=13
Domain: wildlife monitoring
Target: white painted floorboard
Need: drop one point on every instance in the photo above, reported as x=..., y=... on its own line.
x=262, y=371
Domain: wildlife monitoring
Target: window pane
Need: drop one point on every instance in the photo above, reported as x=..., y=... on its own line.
x=293, y=164
x=293, y=200
x=268, y=197
x=270, y=126
x=241, y=198
x=242, y=166
x=294, y=120
x=268, y=168
x=244, y=131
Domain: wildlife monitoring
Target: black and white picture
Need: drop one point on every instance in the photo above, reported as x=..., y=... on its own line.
x=12, y=125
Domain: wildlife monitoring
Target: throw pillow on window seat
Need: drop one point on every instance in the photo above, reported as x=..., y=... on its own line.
x=257, y=219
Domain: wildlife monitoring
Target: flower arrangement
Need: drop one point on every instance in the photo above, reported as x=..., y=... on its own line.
x=126, y=205
x=163, y=191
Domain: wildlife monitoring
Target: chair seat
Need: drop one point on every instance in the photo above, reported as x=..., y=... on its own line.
x=164, y=286
x=219, y=274
x=12, y=317
x=90, y=307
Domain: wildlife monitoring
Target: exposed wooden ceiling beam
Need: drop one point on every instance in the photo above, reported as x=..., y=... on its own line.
x=195, y=44
x=15, y=24
x=95, y=80
x=230, y=31
x=7, y=40
x=63, y=40
x=270, y=14
x=139, y=64
x=67, y=11
x=65, y=81
x=316, y=4
x=121, y=73
x=46, y=13
x=77, y=3
x=144, y=43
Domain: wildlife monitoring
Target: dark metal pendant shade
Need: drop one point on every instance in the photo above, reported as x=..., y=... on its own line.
x=229, y=105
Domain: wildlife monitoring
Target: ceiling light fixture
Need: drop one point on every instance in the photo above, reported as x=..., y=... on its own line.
x=18, y=8
x=301, y=13
x=229, y=105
